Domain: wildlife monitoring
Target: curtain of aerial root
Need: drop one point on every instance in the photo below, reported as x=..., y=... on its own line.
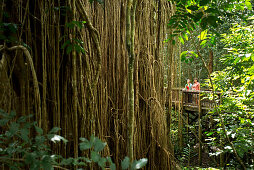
x=87, y=93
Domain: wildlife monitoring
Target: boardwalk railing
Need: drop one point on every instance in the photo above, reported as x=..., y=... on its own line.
x=191, y=98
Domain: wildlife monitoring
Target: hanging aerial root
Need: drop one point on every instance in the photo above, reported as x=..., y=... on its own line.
x=35, y=80
x=96, y=39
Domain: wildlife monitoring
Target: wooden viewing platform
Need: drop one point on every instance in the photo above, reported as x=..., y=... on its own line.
x=190, y=100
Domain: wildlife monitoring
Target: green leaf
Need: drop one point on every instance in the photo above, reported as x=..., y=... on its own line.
x=69, y=49
x=95, y=156
x=78, y=41
x=24, y=134
x=209, y=134
x=252, y=56
x=185, y=36
x=39, y=139
x=183, y=55
x=3, y=122
x=174, y=42
x=92, y=139
x=125, y=163
x=12, y=114
x=28, y=125
x=203, y=35
x=212, y=40
x=70, y=25
x=66, y=161
x=102, y=162
x=203, y=43
x=23, y=119
x=181, y=39
x=12, y=27
x=14, y=127
x=77, y=48
x=46, y=162
x=98, y=145
x=79, y=24
x=65, y=44
x=38, y=130
x=112, y=166
x=85, y=144
x=54, y=130
x=30, y=158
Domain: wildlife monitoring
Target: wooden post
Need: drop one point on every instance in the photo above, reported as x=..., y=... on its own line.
x=180, y=127
x=199, y=130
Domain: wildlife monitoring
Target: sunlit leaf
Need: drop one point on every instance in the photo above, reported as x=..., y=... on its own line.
x=181, y=39
x=203, y=35
x=203, y=43
x=140, y=163
x=57, y=138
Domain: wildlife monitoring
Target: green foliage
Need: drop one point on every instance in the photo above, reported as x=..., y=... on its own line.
x=191, y=14
x=73, y=43
x=236, y=83
x=203, y=21
x=16, y=140
x=188, y=154
x=188, y=56
x=20, y=149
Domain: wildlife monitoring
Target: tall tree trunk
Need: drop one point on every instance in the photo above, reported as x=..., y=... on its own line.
x=210, y=64
x=74, y=84
x=130, y=34
x=85, y=100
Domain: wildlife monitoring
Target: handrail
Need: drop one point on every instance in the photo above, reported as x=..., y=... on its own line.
x=193, y=91
x=192, y=97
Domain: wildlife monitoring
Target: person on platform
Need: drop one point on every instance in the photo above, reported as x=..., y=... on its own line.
x=196, y=85
x=188, y=86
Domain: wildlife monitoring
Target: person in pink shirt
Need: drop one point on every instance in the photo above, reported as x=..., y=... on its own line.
x=196, y=85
